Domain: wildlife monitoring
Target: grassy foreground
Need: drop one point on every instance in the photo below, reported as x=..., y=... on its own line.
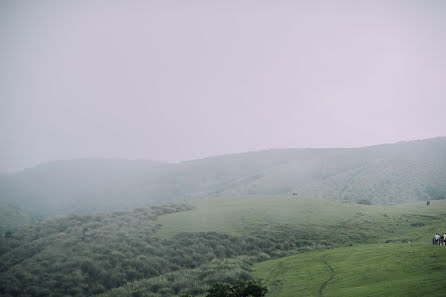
x=394, y=269
x=405, y=264
x=336, y=249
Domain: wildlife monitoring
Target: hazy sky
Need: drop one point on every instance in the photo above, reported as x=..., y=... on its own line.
x=178, y=80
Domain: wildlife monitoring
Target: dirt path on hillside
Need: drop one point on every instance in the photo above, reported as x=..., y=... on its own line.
x=324, y=284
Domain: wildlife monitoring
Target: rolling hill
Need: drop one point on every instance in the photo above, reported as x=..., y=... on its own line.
x=183, y=249
x=384, y=174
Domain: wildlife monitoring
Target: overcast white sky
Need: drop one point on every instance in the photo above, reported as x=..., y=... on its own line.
x=178, y=80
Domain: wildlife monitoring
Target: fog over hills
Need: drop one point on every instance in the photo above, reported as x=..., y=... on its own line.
x=383, y=174
x=12, y=218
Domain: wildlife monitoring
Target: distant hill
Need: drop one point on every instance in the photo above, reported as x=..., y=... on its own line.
x=82, y=185
x=382, y=174
x=12, y=218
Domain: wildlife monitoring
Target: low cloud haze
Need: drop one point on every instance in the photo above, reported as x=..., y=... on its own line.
x=172, y=81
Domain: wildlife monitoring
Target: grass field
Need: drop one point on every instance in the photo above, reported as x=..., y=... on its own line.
x=259, y=214
x=390, y=254
x=316, y=247
x=394, y=269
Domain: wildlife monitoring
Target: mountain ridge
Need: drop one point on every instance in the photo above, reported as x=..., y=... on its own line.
x=381, y=174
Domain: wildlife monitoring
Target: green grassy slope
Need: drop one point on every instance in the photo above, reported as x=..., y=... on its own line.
x=174, y=250
x=383, y=264
x=385, y=174
x=393, y=269
x=283, y=215
x=407, y=265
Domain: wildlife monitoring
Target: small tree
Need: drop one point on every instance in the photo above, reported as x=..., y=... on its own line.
x=221, y=290
x=241, y=289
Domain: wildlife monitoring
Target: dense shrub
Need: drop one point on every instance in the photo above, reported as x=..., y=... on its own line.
x=241, y=289
x=364, y=201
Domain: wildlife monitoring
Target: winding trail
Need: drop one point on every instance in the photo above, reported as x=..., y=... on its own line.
x=324, y=284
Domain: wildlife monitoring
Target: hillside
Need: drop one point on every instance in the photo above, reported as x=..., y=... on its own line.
x=397, y=269
x=12, y=218
x=182, y=249
x=83, y=185
x=384, y=174
x=367, y=247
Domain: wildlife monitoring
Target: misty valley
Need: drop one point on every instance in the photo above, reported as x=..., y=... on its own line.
x=295, y=222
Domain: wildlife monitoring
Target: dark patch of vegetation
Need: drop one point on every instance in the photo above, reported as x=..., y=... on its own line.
x=89, y=254
x=364, y=201
x=241, y=289
x=417, y=224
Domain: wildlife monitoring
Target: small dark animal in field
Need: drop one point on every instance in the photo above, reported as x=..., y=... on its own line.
x=428, y=203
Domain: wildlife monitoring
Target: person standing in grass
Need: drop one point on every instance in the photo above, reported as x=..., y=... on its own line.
x=436, y=239
x=444, y=239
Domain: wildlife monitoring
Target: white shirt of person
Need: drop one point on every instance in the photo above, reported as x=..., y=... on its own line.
x=436, y=236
